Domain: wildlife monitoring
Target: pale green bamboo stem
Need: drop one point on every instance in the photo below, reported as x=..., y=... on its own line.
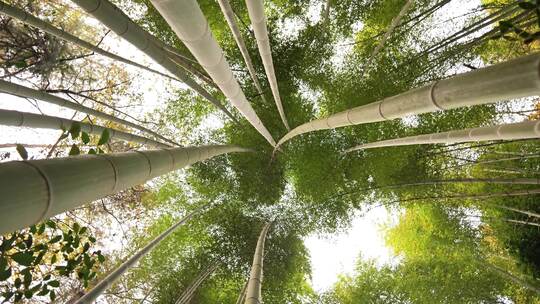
x=35, y=190
x=529, y=213
x=521, y=130
x=513, y=79
x=242, y=295
x=253, y=291
x=22, y=91
x=188, y=22
x=112, y=17
x=258, y=22
x=49, y=28
x=21, y=119
x=237, y=35
x=92, y=295
x=186, y=296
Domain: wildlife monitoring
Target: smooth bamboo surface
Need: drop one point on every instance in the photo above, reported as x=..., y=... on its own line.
x=253, y=290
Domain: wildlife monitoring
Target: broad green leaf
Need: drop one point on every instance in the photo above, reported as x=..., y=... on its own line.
x=85, y=138
x=105, y=136
x=75, y=130
x=54, y=283
x=23, y=258
x=5, y=274
x=74, y=150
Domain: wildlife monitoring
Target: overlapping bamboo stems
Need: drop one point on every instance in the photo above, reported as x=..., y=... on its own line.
x=253, y=290
x=93, y=294
x=258, y=22
x=113, y=18
x=520, y=130
x=49, y=28
x=22, y=91
x=190, y=25
x=187, y=295
x=512, y=79
x=242, y=294
x=22, y=119
x=35, y=190
x=230, y=18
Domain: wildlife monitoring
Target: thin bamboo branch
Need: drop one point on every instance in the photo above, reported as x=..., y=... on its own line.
x=190, y=25
x=513, y=79
x=186, y=296
x=35, y=190
x=521, y=130
x=253, y=291
x=511, y=277
x=242, y=294
x=258, y=23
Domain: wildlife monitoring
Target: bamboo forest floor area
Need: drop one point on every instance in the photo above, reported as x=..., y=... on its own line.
x=270, y=151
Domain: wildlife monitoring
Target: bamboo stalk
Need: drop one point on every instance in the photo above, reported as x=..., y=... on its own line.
x=521, y=130
x=112, y=17
x=35, y=190
x=237, y=35
x=21, y=119
x=513, y=79
x=242, y=295
x=258, y=22
x=92, y=295
x=49, y=28
x=189, y=24
x=186, y=296
x=253, y=290
x=22, y=91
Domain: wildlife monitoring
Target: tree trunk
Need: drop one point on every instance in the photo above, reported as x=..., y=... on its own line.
x=92, y=295
x=258, y=22
x=21, y=119
x=253, y=291
x=513, y=79
x=188, y=22
x=186, y=296
x=229, y=16
x=112, y=17
x=46, y=27
x=35, y=190
x=22, y=91
x=521, y=130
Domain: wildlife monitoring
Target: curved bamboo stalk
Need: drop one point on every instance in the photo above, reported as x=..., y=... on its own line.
x=258, y=22
x=35, y=190
x=253, y=290
x=112, y=17
x=513, y=79
x=521, y=130
x=92, y=295
x=49, y=28
x=187, y=21
x=237, y=35
x=22, y=119
x=186, y=296
x=22, y=91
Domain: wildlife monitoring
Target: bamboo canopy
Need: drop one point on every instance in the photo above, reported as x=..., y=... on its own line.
x=112, y=17
x=258, y=22
x=512, y=79
x=22, y=91
x=253, y=290
x=190, y=25
x=521, y=130
x=22, y=119
x=35, y=190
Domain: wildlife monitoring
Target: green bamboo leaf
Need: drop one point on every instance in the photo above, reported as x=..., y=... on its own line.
x=75, y=130
x=22, y=151
x=527, y=5
x=52, y=295
x=54, y=283
x=5, y=274
x=92, y=151
x=23, y=258
x=105, y=136
x=51, y=224
x=55, y=239
x=74, y=150
x=85, y=138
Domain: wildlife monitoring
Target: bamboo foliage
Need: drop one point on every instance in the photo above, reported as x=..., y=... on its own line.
x=92, y=295
x=112, y=17
x=48, y=28
x=22, y=91
x=187, y=295
x=35, y=190
x=258, y=22
x=253, y=290
x=190, y=25
x=237, y=35
x=512, y=79
x=521, y=130
x=21, y=119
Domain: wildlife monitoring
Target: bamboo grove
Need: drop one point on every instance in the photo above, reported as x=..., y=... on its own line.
x=168, y=151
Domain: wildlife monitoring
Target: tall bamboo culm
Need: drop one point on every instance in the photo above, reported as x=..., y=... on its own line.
x=253, y=290
x=187, y=295
x=258, y=22
x=35, y=190
x=21, y=119
x=22, y=91
x=188, y=22
x=112, y=17
x=513, y=79
x=521, y=130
